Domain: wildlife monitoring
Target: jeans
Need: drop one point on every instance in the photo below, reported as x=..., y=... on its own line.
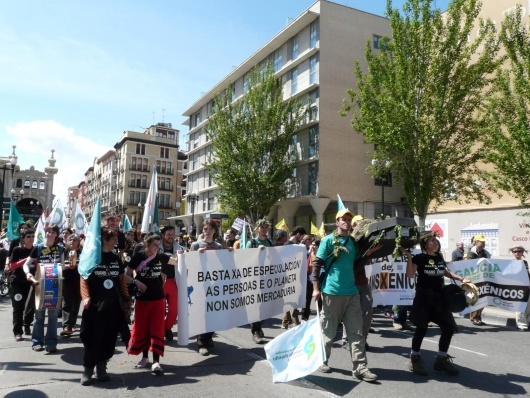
x=400, y=314
x=50, y=341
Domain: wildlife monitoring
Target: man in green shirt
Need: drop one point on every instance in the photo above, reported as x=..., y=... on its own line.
x=340, y=297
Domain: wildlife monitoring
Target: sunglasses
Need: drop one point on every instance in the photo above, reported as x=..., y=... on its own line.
x=517, y=251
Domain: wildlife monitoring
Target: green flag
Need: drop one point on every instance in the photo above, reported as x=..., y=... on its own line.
x=156, y=226
x=14, y=222
x=91, y=255
x=126, y=223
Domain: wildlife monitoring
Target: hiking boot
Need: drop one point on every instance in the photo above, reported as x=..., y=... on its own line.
x=169, y=335
x=256, y=338
x=416, y=365
x=294, y=317
x=86, y=378
x=101, y=371
x=364, y=374
x=324, y=368
x=443, y=364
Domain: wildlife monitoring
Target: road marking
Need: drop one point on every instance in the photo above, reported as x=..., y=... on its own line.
x=2, y=369
x=458, y=348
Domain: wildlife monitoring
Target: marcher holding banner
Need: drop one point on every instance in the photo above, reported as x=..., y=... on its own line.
x=340, y=297
x=478, y=251
x=428, y=305
x=522, y=318
x=209, y=231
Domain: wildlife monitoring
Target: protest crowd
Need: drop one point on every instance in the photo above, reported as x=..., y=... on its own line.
x=127, y=288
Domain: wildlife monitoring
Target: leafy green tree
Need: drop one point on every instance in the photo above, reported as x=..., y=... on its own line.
x=506, y=124
x=251, y=138
x=418, y=98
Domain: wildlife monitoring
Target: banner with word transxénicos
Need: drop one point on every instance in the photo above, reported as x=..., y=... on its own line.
x=500, y=283
x=228, y=289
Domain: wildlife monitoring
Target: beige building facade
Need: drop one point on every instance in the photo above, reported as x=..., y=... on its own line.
x=314, y=56
x=121, y=177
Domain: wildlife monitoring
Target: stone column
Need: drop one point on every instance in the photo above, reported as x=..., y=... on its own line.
x=319, y=205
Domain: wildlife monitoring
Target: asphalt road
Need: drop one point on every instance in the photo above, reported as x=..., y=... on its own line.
x=494, y=361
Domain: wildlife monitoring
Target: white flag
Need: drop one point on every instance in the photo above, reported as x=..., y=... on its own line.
x=57, y=215
x=39, y=229
x=150, y=203
x=297, y=352
x=80, y=223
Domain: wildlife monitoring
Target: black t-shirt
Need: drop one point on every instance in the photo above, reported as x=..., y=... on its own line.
x=168, y=269
x=121, y=243
x=17, y=276
x=46, y=255
x=104, y=281
x=151, y=274
x=14, y=243
x=430, y=271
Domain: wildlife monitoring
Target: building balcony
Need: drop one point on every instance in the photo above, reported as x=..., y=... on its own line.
x=165, y=172
x=166, y=189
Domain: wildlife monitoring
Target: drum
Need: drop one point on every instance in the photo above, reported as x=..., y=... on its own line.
x=49, y=291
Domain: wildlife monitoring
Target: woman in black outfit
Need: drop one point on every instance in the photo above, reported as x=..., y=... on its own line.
x=102, y=311
x=428, y=305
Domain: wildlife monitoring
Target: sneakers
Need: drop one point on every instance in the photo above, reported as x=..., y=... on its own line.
x=67, y=331
x=156, y=369
x=18, y=337
x=364, y=374
x=443, y=364
x=86, y=378
x=257, y=337
x=37, y=348
x=416, y=365
x=398, y=326
x=169, y=335
x=203, y=351
x=27, y=330
x=324, y=368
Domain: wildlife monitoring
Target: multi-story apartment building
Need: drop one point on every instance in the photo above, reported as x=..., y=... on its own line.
x=121, y=177
x=314, y=57
x=502, y=222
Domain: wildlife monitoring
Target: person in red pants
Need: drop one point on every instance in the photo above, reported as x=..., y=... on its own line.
x=170, y=246
x=149, y=312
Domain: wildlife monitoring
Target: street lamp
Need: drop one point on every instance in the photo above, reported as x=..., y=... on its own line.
x=383, y=170
x=140, y=206
x=13, y=163
x=16, y=197
x=192, y=198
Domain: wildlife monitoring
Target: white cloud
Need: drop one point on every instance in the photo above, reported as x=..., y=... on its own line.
x=34, y=142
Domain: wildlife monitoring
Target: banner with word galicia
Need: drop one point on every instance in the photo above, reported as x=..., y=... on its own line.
x=500, y=283
x=229, y=289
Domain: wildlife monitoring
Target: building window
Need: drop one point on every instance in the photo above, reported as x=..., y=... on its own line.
x=145, y=165
x=19, y=183
x=233, y=92
x=313, y=70
x=375, y=41
x=26, y=184
x=277, y=64
x=294, y=47
x=210, y=203
x=197, y=118
x=313, y=141
x=294, y=81
x=140, y=149
x=313, y=178
x=34, y=185
x=313, y=34
x=164, y=152
x=41, y=184
x=246, y=83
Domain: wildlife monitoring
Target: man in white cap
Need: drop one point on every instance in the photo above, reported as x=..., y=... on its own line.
x=340, y=296
x=478, y=251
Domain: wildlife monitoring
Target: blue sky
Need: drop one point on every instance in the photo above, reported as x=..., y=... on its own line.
x=74, y=75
